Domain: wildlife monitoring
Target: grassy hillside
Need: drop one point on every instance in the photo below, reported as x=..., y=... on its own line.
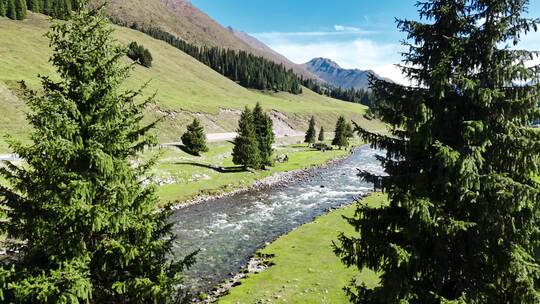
x=185, y=87
x=182, y=19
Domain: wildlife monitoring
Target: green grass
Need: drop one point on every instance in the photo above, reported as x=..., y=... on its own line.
x=190, y=178
x=306, y=270
x=184, y=86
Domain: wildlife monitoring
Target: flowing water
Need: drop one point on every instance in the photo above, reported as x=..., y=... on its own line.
x=229, y=230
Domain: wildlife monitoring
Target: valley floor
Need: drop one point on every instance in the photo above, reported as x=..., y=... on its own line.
x=182, y=177
x=306, y=269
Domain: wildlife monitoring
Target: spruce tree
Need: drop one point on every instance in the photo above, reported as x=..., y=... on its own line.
x=2, y=8
x=20, y=9
x=340, y=134
x=321, y=134
x=194, y=139
x=265, y=134
x=461, y=224
x=311, y=133
x=11, y=11
x=33, y=5
x=246, y=146
x=81, y=225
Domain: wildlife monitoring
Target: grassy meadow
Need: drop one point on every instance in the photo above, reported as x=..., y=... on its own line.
x=183, y=176
x=306, y=269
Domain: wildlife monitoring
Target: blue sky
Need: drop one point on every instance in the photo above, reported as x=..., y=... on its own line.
x=355, y=33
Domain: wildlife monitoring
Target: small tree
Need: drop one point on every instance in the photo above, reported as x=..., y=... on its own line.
x=340, y=135
x=246, y=146
x=321, y=134
x=311, y=133
x=194, y=139
x=81, y=226
x=140, y=54
x=265, y=134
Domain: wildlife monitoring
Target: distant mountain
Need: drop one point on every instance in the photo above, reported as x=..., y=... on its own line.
x=269, y=53
x=337, y=76
x=184, y=20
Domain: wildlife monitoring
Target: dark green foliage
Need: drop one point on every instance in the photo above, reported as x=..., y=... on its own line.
x=246, y=146
x=265, y=135
x=194, y=139
x=321, y=134
x=360, y=96
x=340, y=134
x=34, y=5
x=20, y=9
x=462, y=221
x=3, y=8
x=47, y=7
x=140, y=54
x=16, y=9
x=311, y=133
x=11, y=11
x=81, y=225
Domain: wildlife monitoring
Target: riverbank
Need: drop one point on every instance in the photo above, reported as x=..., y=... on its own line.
x=184, y=179
x=303, y=267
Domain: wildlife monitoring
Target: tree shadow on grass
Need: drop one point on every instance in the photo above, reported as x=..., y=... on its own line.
x=232, y=169
x=185, y=149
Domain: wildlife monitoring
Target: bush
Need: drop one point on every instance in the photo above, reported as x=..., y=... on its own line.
x=140, y=54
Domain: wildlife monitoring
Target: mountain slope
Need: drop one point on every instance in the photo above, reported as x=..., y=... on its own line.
x=182, y=19
x=337, y=76
x=185, y=87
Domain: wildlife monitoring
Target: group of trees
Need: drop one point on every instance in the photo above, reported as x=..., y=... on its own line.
x=361, y=96
x=16, y=9
x=139, y=54
x=253, y=145
x=343, y=132
x=13, y=9
x=461, y=223
x=246, y=69
x=81, y=226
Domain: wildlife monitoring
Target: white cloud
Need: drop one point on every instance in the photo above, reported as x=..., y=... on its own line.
x=345, y=28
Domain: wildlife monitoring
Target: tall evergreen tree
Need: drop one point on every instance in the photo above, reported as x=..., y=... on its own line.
x=340, y=134
x=194, y=139
x=246, y=146
x=321, y=134
x=461, y=225
x=11, y=11
x=81, y=226
x=265, y=134
x=33, y=5
x=20, y=9
x=2, y=8
x=311, y=133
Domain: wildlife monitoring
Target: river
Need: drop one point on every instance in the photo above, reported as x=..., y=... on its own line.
x=229, y=230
